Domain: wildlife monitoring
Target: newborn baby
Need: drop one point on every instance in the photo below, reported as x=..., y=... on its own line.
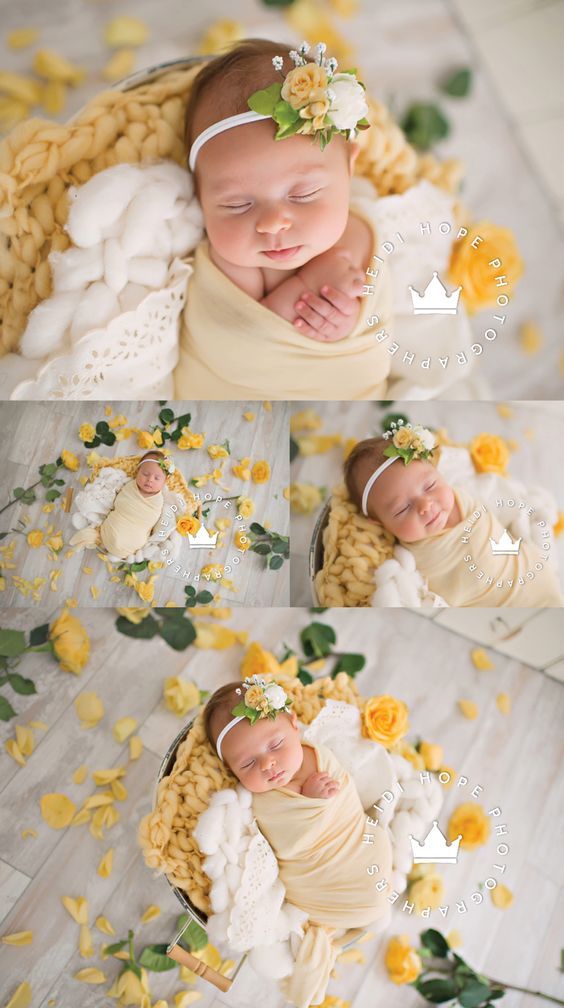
x=308, y=808
x=277, y=282
x=136, y=510
x=449, y=534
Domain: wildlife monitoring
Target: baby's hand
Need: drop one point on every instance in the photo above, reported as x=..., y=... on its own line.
x=328, y=311
x=320, y=785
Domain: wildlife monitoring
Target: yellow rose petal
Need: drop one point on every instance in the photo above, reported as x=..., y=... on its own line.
x=13, y=750
x=28, y=832
x=125, y=31
x=39, y=725
x=150, y=914
x=351, y=955
x=504, y=411
x=57, y=810
x=481, y=660
x=98, y=800
x=454, y=939
x=21, y=998
x=103, y=925
x=530, y=338
x=120, y=65
x=124, y=728
x=81, y=817
x=89, y=709
x=118, y=790
x=85, y=946
x=25, y=740
x=503, y=701
x=185, y=998
x=20, y=38
x=77, y=907
x=135, y=747
x=18, y=938
x=103, y=777
x=80, y=774
x=106, y=864
x=469, y=709
x=90, y=975
x=502, y=897
x=54, y=67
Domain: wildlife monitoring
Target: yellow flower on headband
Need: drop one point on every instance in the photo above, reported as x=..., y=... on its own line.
x=409, y=442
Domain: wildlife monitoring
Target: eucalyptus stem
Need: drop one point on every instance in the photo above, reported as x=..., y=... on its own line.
x=16, y=499
x=505, y=986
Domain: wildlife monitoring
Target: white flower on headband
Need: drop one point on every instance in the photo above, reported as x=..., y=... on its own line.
x=409, y=442
x=261, y=699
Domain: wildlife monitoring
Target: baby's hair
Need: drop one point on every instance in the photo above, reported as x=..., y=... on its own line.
x=218, y=710
x=224, y=84
x=371, y=450
x=154, y=453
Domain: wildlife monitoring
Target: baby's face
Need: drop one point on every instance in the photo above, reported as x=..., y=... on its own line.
x=257, y=753
x=411, y=501
x=150, y=477
x=273, y=203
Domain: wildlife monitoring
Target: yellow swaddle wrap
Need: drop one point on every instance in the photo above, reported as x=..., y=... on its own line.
x=323, y=864
x=129, y=523
x=458, y=564
x=233, y=347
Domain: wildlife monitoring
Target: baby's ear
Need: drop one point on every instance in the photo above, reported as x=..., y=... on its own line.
x=354, y=150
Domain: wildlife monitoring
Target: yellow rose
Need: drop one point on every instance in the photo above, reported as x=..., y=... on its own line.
x=180, y=696
x=385, y=720
x=134, y=613
x=409, y=753
x=254, y=697
x=489, y=453
x=316, y=110
x=145, y=440
x=304, y=497
x=145, y=590
x=245, y=507
x=35, y=538
x=432, y=754
x=187, y=524
x=306, y=419
x=260, y=472
x=301, y=82
x=470, y=267
x=86, y=432
x=70, y=641
x=257, y=661
x=402, y=961
x=241, y=540
x=130, y=990
x=217, y=451
x=470, y=820
x=56, y=542
x=70, y=461
x=402, y=437
x=427, y=892
x=241, y=469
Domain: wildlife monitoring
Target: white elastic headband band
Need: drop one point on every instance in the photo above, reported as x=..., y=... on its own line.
x=219, y=127
x=224, y=731
x=372, y=480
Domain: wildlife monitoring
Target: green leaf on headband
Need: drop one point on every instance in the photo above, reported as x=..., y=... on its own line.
x=264, y=101
x=284, y=114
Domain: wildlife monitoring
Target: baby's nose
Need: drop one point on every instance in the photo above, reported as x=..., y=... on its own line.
x=272, y=219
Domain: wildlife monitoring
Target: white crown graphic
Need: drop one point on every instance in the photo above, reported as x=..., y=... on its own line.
x=202, y=539
x=434, y=848
x=506, y=546
x=435, y=300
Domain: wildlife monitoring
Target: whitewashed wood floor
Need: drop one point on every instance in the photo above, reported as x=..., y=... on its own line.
x=36, y=433
x=404, y=50
x=532, y=464
x=517, y=760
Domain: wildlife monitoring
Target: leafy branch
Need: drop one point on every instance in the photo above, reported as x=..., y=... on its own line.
x=12, y=646
x=103, y=435
x=154, y=957
x=275, y=548
x=317, y=640
x=48, y=479
x=173, y=625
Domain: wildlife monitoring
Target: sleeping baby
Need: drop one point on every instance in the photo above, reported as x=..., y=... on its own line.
x=136, y=510
x=309, y=810
x=274, y=302
x=454, y=539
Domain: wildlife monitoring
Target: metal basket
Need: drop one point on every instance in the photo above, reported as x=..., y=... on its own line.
x=316, y=549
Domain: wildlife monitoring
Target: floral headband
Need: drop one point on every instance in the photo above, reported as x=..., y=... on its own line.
x=313, y=99
x=261, y=700
x=408, y=443
x=166, y=464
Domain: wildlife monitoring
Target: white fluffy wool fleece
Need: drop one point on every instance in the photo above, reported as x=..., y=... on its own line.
x=127, y=224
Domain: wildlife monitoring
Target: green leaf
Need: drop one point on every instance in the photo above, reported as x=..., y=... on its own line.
x=178, y=635
x=176, y=435
x=294, y=449
x=184, y=420
x=139, y=566
x=190, y=590
x=194, y=937
x=424, y=124
x=458, y=84
x=474, y=993
x=317, y=639
x=154, y=958
x=116, y=947
x=304, y=676
x=204, y=597
x=21, y=685
x=349, y=663
x=39, y=634
x=434, y=941
x=144, y=630
x=48, y=470
x=496, y=993
x=284, y=114
x=102, y=427
x=59, y=482
x=18, y=492
x=390, y=418
x=257, y=529
x=437, y=991
x=275, y=562
x=265, y=101
x=319, y=608
x=12, y=643
x=52, y=495
x=279, y=547
x=261, y=548
x=166, y=416
x=3, y=535
x=6, y=709
x=108, y=438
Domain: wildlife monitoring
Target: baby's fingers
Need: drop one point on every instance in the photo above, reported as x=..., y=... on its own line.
x=341, y=301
